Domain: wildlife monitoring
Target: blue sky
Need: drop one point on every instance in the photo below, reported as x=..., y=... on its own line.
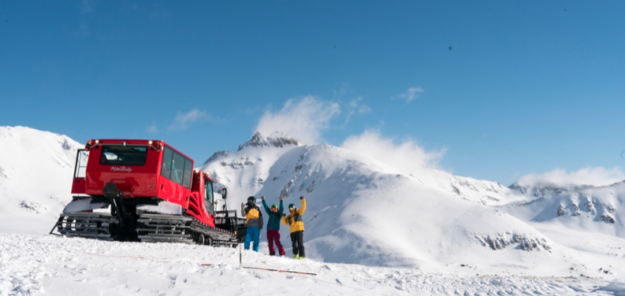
x=504, y=88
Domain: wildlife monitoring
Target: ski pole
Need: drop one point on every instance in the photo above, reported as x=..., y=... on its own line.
x=279, y=270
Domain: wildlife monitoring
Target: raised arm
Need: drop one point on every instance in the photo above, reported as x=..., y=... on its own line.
x=267, y=209
x=303, y=208
x=281, y=208
x=284, y=220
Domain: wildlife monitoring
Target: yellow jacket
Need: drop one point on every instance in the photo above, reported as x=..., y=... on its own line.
x=295, y=218
x=253, y=217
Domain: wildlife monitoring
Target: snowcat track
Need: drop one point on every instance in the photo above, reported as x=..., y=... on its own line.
x=86, y=225
x=172, y=228
x=164, y=228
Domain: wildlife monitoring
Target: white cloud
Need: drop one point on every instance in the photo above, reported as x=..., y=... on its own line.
x=303, y=119
x=184, y=119
x=407, y=156
x=411, y=94
x=152, y=129
x=597, y=176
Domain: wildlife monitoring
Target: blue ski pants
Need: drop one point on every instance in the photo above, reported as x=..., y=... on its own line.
x=253, y=233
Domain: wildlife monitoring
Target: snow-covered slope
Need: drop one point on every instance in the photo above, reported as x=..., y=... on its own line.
x=363, y=211
x=360, y=210
x=48, y=265
x=36, y=170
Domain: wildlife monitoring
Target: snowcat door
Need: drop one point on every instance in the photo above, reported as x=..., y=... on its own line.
x=80, y=172
x=209, y=197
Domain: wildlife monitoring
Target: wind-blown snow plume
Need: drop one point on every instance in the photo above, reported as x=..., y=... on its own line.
x=408, y=156
x=597, y=176
x=302, y=119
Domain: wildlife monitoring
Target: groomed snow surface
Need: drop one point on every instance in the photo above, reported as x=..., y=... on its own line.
x=49, y=265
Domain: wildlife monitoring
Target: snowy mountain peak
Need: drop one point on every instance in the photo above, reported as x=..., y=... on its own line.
x=276, y=139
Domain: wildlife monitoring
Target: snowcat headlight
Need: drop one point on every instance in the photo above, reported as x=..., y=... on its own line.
x=150, y=142
x=97, y=142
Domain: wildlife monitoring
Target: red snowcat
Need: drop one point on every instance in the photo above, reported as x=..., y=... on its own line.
x=145, y=190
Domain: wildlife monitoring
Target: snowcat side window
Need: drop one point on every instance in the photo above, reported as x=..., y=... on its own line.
x=188, y=171
x=80, y=171
x=177, y=167
x=166, y=167
x=208, y=196
x=123, y=155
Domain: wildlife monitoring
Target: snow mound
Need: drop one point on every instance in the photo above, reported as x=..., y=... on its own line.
x=615, y=287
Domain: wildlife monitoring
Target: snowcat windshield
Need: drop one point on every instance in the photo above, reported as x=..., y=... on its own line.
x=123, y=155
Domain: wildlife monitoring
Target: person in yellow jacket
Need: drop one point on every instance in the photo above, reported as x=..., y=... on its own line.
x=295, y=221
x=254, y=223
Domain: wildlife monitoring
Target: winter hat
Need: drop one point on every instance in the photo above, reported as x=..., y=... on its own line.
x=274, y=206
x=251, y=198
x=291, y=206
